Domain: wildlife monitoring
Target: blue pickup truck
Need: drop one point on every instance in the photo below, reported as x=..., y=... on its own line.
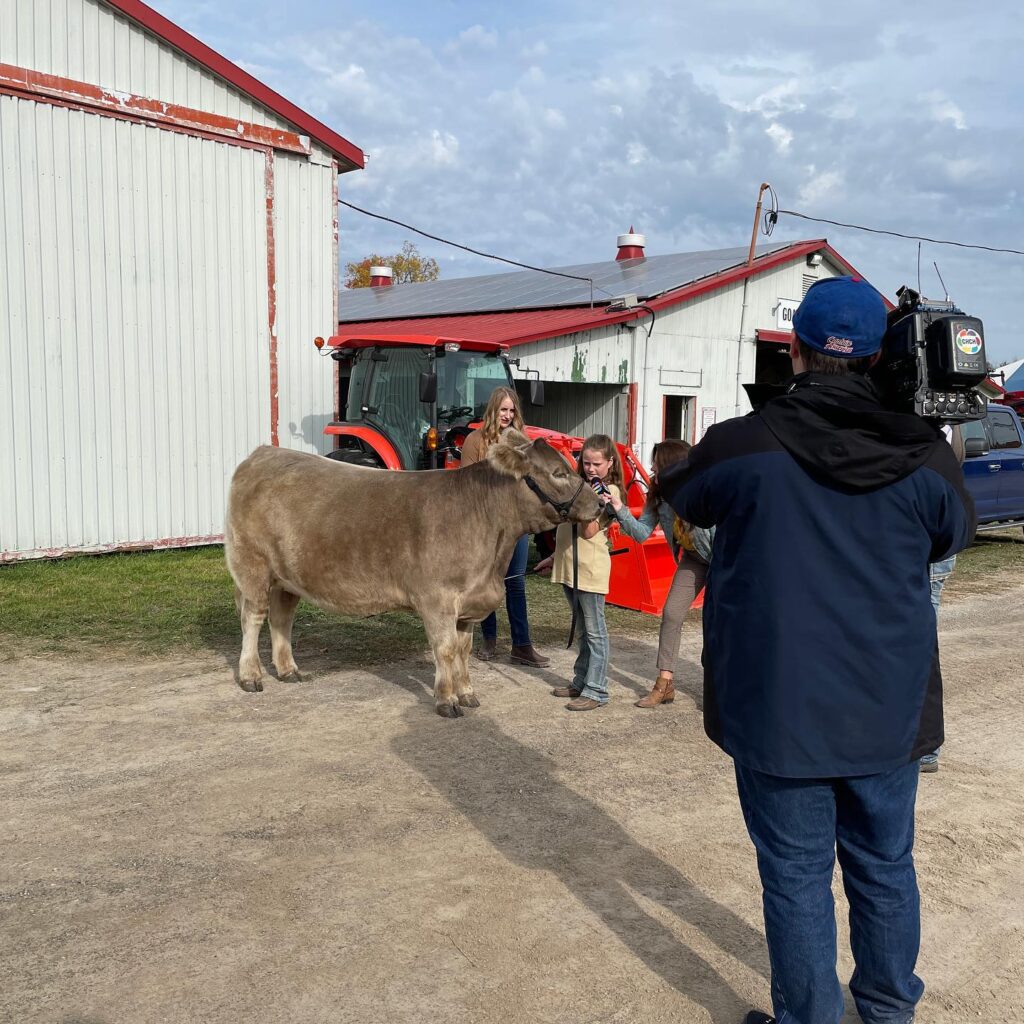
x=994, y=467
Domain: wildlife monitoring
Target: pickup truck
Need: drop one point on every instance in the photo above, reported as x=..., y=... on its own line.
x=994, y=467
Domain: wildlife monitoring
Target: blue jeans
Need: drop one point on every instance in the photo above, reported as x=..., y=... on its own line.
x=938, y=573
x=590, y=673
x=515, y=599
x=797, y=827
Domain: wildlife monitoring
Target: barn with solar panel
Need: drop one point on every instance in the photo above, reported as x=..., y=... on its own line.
x=639, y=347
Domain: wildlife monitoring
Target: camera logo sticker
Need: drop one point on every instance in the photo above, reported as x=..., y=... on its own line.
x=843, y=345
x=968, y=341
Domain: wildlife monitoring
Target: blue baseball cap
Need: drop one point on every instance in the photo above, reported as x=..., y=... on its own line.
x=842, y=317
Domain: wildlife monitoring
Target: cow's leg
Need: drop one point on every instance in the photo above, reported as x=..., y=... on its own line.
x=282, y=614
x=463, y=685
x=444, y=642
x=250, y=669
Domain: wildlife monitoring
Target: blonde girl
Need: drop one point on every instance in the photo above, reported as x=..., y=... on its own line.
x=503, y=412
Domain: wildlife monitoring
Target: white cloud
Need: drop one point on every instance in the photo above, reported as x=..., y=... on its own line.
x=781, y=136
x=636, y=153
x=821, y=189
x=474, y=38
x=444, y=148
x=483, y=133
x=944, y=109
x=554, y=118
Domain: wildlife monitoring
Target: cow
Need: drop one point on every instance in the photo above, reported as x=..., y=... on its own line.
x=360, y=541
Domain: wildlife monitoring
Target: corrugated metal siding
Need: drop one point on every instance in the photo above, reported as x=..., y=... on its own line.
x=89, y=42
x=134, y=335
x=579, y=409
x=306, y=270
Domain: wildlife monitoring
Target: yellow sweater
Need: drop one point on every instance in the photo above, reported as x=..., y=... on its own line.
x=595, y=562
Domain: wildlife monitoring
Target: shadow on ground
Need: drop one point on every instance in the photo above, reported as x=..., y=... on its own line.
x=562, y=832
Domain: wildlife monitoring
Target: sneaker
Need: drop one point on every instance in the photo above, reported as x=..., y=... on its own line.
x=929, y=767
x=757, y=1017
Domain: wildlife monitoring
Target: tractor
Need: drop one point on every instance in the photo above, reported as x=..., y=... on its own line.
x=408, y=401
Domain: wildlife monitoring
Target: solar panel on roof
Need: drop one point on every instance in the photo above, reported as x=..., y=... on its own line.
x=527, y=289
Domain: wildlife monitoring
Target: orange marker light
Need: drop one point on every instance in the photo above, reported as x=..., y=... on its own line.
x=431, y=439
x=319, y=342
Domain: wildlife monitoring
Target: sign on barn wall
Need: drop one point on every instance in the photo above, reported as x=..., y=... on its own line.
x=784, y=313
x=708, y=416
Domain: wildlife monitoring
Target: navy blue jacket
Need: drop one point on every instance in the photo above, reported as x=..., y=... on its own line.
x=820, y=647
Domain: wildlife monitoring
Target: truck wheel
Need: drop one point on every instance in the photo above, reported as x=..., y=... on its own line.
x=355, y=458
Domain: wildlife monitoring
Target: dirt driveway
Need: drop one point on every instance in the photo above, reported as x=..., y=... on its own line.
x=177, y=850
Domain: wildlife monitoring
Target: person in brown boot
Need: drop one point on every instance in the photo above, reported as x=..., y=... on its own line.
x=691, y=550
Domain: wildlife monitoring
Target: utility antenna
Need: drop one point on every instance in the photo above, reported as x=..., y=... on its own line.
x=943, y=283
x=918, y=268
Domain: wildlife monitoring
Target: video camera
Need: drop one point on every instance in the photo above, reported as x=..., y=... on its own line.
x=933, y=358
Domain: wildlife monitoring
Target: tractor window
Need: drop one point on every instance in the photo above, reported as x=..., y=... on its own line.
x=393, y=399
x=465, y=381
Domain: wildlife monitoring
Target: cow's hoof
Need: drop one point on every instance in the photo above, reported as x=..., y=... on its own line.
x=292, y=677
x=469, y=700
x=449, y=710
x=251, y=685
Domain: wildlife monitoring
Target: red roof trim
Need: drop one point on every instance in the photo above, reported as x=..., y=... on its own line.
x=775, y=337
x=233, y=74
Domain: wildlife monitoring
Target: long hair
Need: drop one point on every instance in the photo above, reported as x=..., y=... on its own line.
x=664, y=455
x=491, y=429
x=606, y=446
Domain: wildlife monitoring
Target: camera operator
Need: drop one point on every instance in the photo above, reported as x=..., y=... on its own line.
x=821, y=670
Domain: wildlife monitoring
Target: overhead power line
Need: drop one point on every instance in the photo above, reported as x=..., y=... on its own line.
x=476, y=252
x=773, y=215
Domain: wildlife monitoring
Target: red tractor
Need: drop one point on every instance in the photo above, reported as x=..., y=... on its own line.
x=408, y=401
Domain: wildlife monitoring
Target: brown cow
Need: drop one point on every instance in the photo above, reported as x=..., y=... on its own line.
x=361, y=541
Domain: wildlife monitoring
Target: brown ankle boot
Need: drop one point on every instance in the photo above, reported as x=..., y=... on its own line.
x=663, y=693
x=487, y=649
x=529, y=655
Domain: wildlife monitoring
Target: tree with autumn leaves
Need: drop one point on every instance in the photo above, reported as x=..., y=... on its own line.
x=407, y=265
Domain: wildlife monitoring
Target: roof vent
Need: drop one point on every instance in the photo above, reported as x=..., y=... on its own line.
x=381, y=277
x=631, y=246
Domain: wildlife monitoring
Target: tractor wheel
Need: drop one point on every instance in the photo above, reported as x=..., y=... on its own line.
x=355, y=458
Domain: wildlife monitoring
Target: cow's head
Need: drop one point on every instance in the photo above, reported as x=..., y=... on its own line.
x=552, y=492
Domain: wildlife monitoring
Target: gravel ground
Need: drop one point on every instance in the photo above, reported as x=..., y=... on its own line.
x=177, y=850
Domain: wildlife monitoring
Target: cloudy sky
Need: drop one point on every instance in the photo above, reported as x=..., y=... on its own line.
x=540, y=131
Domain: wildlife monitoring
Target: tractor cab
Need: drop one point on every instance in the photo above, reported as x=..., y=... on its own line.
x=408, y=401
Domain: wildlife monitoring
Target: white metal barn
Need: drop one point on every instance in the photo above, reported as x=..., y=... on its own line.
x=168, y=250
x=668, y=361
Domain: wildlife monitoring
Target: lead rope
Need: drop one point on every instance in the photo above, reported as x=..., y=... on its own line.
x=575, y=584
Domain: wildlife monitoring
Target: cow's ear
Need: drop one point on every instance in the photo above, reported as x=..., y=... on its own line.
x=515, y=438
x=508, y=456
